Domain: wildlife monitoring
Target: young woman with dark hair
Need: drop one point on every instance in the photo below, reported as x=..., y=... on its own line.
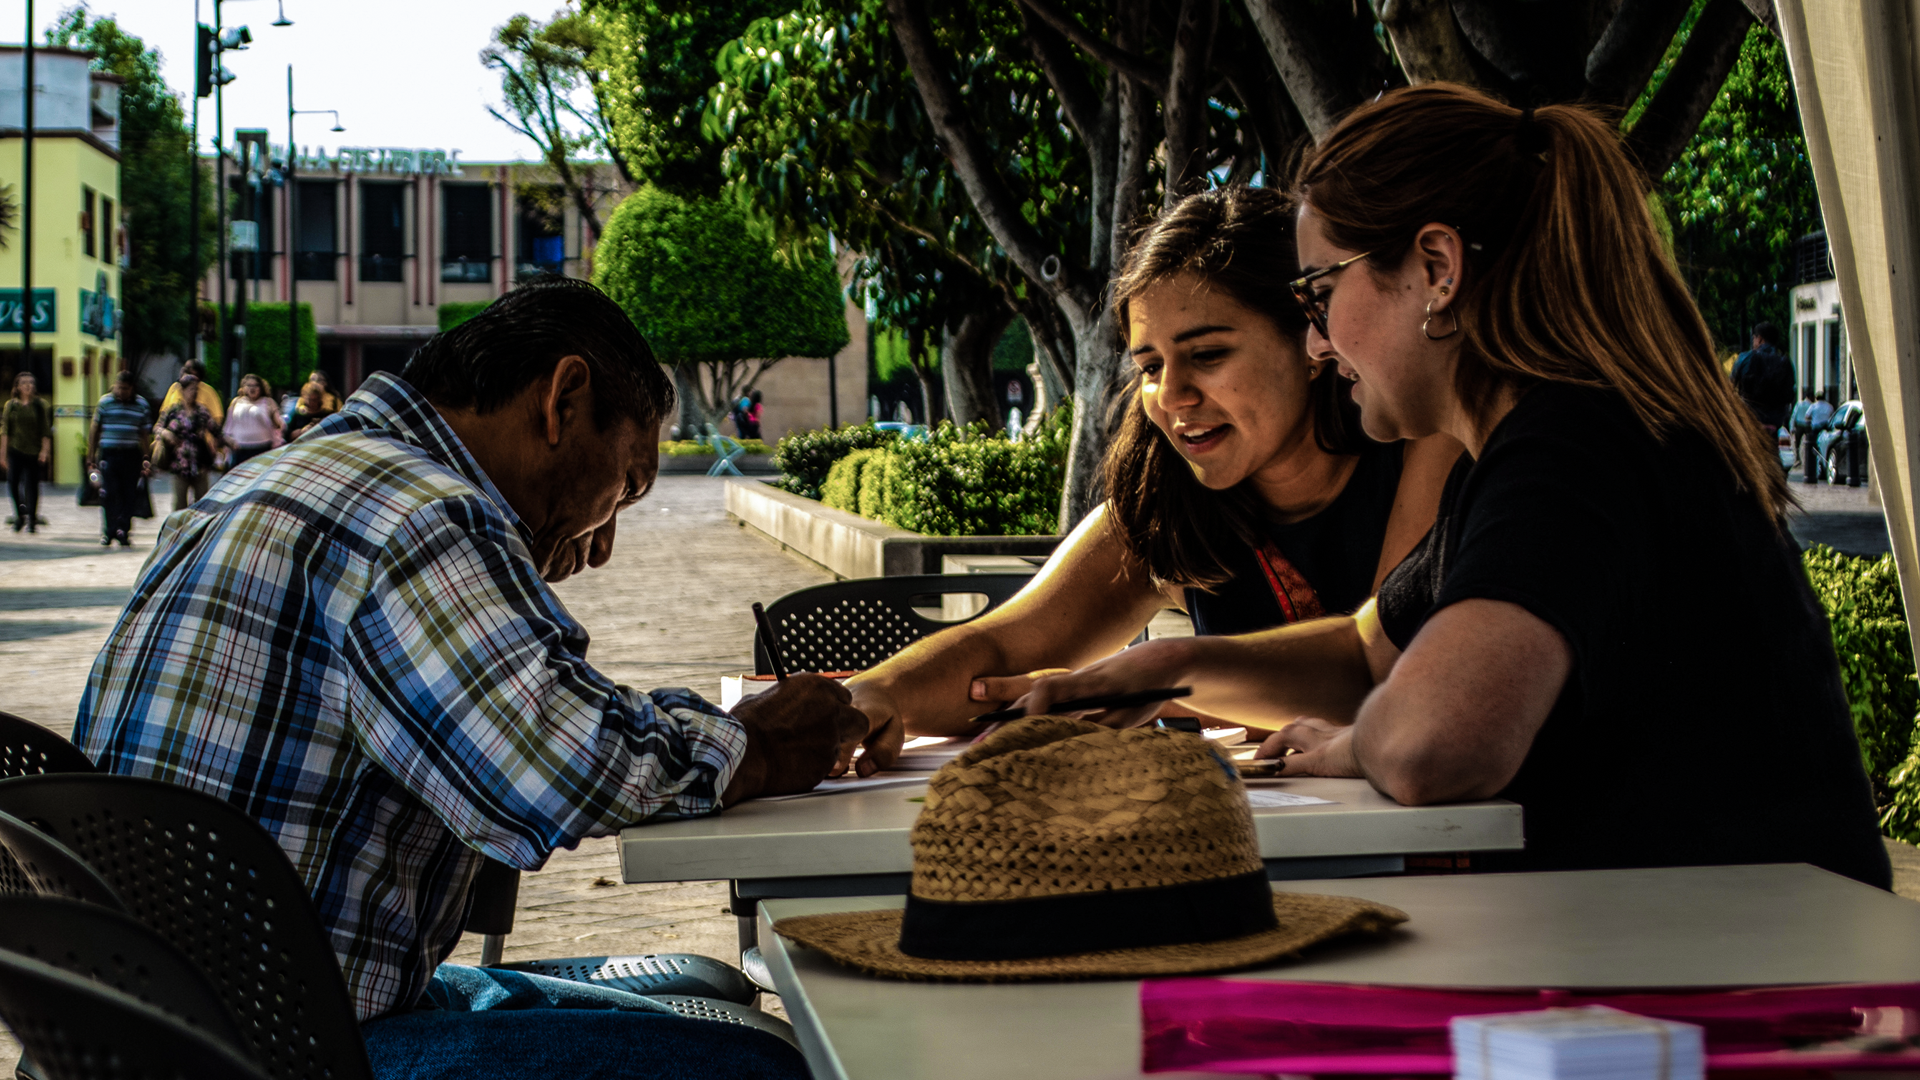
x=1241, y=489
x=1642, y=666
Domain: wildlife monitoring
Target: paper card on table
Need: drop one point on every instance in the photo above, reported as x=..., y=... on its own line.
x=1590, y=1042
x=929, y=752
x=1258, y=799
x=841, y=785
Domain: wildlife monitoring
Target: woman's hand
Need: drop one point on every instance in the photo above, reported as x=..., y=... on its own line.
x=999, y=690
x=1147, y=666
x=1319, y=748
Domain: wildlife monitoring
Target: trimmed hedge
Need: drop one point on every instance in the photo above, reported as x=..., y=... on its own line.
x=693, y=448
x=953, y=482
x=805, y=457
x=1870, y=636
x=453, y=313
x=267, y=348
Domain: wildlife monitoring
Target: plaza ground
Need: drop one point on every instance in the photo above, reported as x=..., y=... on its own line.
x=671, y=609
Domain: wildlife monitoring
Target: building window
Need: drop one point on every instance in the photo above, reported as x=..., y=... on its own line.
x=382, y=231
x=255, y=208
x=466, y=232
x=1809, y=360
x=1832, y=327
x=86, y=222
x=106, y=229
x=314, y=254
x=543, y=243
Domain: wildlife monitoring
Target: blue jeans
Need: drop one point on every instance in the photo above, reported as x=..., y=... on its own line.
x=507, y=1024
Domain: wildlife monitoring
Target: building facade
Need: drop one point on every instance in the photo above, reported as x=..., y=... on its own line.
x=1817, y=337
x=79, y=244
x=377, y=239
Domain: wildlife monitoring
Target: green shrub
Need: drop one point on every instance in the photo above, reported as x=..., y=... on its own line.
x=1862, y=600
x=691, y=448
x=805, y=457
x=843, y=485
x=267, y=348
x=455, y=312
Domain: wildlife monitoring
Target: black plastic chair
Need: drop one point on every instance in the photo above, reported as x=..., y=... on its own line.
x=854, y=624
x=39, y=865
x=115, y=950
x=77, y=1029
x=213, y=883
x=27, y=749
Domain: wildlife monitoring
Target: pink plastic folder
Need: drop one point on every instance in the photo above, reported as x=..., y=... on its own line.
x=1244, y=1026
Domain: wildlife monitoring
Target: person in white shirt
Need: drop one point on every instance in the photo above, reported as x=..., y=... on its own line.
x=253, y=421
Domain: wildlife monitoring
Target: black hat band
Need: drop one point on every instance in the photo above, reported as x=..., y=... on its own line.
x=1191, y=913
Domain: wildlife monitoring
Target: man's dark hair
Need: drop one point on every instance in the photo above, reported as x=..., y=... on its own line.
x=197, y=369
x=1806, y=394
x=1767, y=332
x=485, y=362
x=125, y=378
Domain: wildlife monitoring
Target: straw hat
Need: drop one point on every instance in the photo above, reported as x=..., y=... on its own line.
x=1058, y=848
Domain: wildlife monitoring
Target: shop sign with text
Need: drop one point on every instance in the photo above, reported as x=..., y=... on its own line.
x=11, y=310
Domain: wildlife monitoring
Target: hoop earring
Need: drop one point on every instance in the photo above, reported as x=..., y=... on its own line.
x=1429, y=319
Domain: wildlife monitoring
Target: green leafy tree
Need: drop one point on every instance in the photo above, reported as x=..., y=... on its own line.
x=545, y=69
x=1742, y=193
x=156, y=169
x=655, y=69
x=714, y=294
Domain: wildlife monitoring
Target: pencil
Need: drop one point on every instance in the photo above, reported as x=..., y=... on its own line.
x=770, y=640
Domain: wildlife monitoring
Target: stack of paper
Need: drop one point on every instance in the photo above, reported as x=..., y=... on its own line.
x=928, y=752
x=1588, y=1043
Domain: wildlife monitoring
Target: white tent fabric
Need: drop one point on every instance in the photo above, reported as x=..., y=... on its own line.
x=1854, y=71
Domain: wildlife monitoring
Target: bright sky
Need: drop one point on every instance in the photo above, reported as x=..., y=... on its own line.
x=403, y=73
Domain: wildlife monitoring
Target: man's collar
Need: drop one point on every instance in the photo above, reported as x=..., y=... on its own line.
x=389, y=404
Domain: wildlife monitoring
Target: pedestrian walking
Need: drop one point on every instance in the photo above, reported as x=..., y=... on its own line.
x=311, y=410
x=117, y=446
x=253, y=421
x=29, y=432
x=206, y=395
x=191, y=436
x=1799, y=426
x=1819, y=418
x=746, y=416
x=1764, y=377
x=328, y=398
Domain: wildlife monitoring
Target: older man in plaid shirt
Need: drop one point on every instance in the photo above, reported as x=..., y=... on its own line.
x=352, y=639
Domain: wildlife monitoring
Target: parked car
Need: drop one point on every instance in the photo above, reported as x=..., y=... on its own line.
x=1848, y=427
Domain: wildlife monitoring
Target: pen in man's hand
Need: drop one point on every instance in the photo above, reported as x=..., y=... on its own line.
x=770, y=640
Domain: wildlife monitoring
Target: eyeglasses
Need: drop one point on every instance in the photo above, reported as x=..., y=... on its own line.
x=1315, y=306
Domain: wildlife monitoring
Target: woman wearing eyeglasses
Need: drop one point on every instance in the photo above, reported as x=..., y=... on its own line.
x=1641, y=665
x=1241, y=489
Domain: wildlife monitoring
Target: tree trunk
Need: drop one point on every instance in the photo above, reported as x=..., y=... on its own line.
x=929, y=394
x=966, y=363
x=686, y=388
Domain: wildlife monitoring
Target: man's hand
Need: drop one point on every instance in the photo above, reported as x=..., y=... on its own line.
x=886, y=732
x=1320, y=748
x=795, y=734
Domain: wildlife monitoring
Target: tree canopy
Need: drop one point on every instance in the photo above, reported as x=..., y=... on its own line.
x=156, y=167
x=710, y=288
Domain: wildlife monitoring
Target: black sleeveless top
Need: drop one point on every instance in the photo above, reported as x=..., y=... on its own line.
x=1322, y=565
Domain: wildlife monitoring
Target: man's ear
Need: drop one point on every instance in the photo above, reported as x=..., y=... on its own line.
x=568, y=397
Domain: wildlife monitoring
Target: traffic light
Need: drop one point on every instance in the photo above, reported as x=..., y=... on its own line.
x=207, y=70
x=206, y=61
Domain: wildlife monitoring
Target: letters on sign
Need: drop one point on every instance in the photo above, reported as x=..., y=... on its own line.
x=11, y=311
x=389, y=160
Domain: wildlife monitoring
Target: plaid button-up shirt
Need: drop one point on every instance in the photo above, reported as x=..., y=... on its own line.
x=349, y=640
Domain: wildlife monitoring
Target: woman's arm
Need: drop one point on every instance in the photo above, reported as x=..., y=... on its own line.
x=1087, y=602
x=1322, y=667
x=1455, y=717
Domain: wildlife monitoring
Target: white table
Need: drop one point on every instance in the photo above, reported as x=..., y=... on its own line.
x=856, y=843
x=1688, y=926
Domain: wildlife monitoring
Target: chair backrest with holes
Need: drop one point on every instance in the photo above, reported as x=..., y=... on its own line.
x=117, y=951
x=76, y=1029
x=27, y=749
x=853, y=625
x=39, y=865
x=213, y=883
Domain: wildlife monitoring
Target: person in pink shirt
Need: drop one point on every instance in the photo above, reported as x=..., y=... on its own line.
x=253, y=420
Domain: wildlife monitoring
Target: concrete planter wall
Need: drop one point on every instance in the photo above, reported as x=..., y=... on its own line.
x=852, y=546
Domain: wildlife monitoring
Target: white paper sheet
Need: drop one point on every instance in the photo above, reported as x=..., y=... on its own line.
x=1284, y=798
x=840, y=785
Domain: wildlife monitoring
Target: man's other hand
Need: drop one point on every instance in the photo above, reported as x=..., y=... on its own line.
x=795, y=733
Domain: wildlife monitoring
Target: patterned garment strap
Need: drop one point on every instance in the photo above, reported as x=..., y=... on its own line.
x=1297, y=598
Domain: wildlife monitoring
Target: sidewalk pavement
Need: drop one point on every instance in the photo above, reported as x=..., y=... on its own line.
x=670, y=609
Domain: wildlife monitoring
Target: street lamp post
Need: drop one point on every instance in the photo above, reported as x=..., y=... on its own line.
x=26, y=206
x=293, y=223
